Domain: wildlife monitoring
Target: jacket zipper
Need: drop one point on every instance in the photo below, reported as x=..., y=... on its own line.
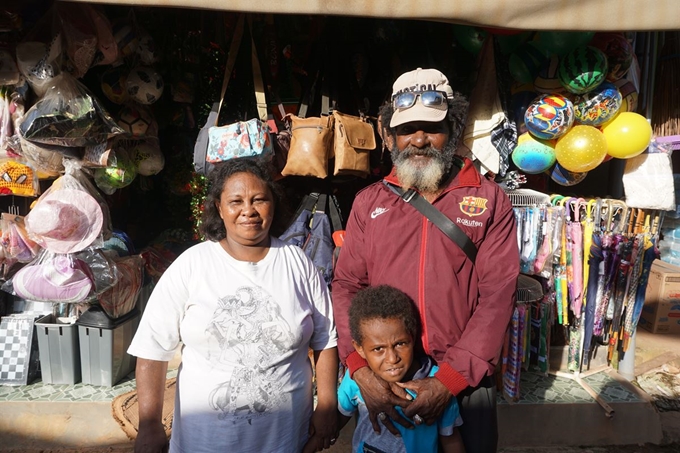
x=421, y=286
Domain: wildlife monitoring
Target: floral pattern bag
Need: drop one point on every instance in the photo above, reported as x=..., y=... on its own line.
x=240, y=139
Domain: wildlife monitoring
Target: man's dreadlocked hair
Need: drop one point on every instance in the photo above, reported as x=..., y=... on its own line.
x=457, y=112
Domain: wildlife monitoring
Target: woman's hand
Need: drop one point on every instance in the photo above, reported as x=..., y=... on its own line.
x=151, y=439
x=323, y=429
x=381, y=398
x=433, y=397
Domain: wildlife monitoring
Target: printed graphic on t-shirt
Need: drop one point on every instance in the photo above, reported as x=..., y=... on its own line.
x=249, y=328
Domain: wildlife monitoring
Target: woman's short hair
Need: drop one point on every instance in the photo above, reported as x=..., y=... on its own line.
x=457, y=113
x=212, y=225
x=382, y=302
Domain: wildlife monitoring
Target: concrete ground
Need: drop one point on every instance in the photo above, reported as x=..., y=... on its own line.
x=89, y=427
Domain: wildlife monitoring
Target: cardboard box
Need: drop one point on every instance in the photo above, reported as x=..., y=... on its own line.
x=661, y=312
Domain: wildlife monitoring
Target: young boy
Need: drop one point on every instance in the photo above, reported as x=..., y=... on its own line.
x=384, y=325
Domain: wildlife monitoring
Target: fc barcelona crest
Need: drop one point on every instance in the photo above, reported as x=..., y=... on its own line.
x=473, y=206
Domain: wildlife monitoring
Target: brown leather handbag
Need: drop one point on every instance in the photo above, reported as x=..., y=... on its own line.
x=310, y=146
x=353, y=142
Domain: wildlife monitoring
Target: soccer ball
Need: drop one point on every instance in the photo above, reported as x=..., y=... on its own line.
x=125, y=37
x=113, y=85
x=148, y=158
x=144, y=85
x=135, y=120
x=146, y=49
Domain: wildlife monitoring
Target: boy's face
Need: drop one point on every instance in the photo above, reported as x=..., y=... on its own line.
x=387, y=347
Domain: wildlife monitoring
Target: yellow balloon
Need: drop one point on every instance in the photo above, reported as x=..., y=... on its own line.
x=627, y=135
x=581, y=149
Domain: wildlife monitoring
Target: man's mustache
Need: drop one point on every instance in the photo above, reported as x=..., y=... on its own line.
x=411, y=151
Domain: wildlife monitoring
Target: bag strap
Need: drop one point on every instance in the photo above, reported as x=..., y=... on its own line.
x=334, y=213
x=260, y=97
x=231, y=61
x=435, y=216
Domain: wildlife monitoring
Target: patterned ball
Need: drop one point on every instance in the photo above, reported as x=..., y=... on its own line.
x=583, y=69
x=113, y=84
x=532, y=155
x=619, y=53
x=564, y=177
x=148, y=158
x=549, y=116
x=598, y=106
x=135, y=120
x=144, y=85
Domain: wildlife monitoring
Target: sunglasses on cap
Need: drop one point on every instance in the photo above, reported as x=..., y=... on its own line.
x=429, y=98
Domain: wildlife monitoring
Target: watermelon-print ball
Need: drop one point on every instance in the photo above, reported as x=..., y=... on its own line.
x=549, y=116
x=583, y=69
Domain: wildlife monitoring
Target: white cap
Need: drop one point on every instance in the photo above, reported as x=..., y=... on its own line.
x=421, y=80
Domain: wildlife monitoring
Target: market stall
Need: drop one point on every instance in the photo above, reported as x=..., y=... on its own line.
x=114, y=112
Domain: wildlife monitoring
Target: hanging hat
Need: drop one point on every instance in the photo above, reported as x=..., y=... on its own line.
x=65, y=220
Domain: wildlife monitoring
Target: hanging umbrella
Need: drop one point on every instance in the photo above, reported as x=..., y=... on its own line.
x=595, y=269
x=574, y=231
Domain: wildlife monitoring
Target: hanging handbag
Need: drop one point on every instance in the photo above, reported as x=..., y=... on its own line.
x=311, y=141
x=354, y=139
x=243, y=138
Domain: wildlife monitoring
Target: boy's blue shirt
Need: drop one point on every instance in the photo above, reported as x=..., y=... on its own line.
x=422, y=438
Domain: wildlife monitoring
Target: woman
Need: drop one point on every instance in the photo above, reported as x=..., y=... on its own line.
x=246, y=308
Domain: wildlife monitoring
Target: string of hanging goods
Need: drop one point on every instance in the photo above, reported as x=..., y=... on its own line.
x=592, y=258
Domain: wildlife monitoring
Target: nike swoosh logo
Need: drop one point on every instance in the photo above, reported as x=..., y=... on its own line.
x=378, y=211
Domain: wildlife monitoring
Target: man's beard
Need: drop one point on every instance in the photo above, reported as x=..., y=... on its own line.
x=429, y=176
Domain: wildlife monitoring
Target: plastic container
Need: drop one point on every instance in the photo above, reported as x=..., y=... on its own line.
x=59, y=351
x=103, y=346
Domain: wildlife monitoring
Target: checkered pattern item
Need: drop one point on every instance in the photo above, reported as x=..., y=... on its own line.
x=19, y=361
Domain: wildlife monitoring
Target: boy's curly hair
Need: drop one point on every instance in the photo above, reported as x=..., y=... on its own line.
x=382, y=302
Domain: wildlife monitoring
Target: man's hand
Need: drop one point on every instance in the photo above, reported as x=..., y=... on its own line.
x=381, y=397
x=432, y=398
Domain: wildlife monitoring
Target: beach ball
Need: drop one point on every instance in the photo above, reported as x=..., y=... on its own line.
x=583, y=69
x=144, y=84
x=135, y=120
x=509, y=43
x=526, y=61
x=564, y=177
x=547, y=80
x=627, y=135
x=125, y=37
x=629, y=95
x=581, y=149
x=113, y=84
x=619, y=53
x=562, y=42
x=597, y=106
x=549, y=116
x=533, y=155
x=148, y=158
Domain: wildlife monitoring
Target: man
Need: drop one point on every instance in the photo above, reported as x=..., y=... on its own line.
x=465, y=307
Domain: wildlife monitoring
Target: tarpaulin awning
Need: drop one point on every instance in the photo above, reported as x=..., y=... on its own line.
x=590, y=15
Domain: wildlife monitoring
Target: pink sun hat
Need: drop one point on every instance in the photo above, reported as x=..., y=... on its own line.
x=65, y=220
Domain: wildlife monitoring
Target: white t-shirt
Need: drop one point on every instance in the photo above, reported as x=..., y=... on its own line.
x=245, y=382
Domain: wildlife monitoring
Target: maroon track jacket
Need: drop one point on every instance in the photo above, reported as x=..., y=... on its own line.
x=465, y=308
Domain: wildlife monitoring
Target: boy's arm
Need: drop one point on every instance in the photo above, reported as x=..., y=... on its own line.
x=452, y=443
